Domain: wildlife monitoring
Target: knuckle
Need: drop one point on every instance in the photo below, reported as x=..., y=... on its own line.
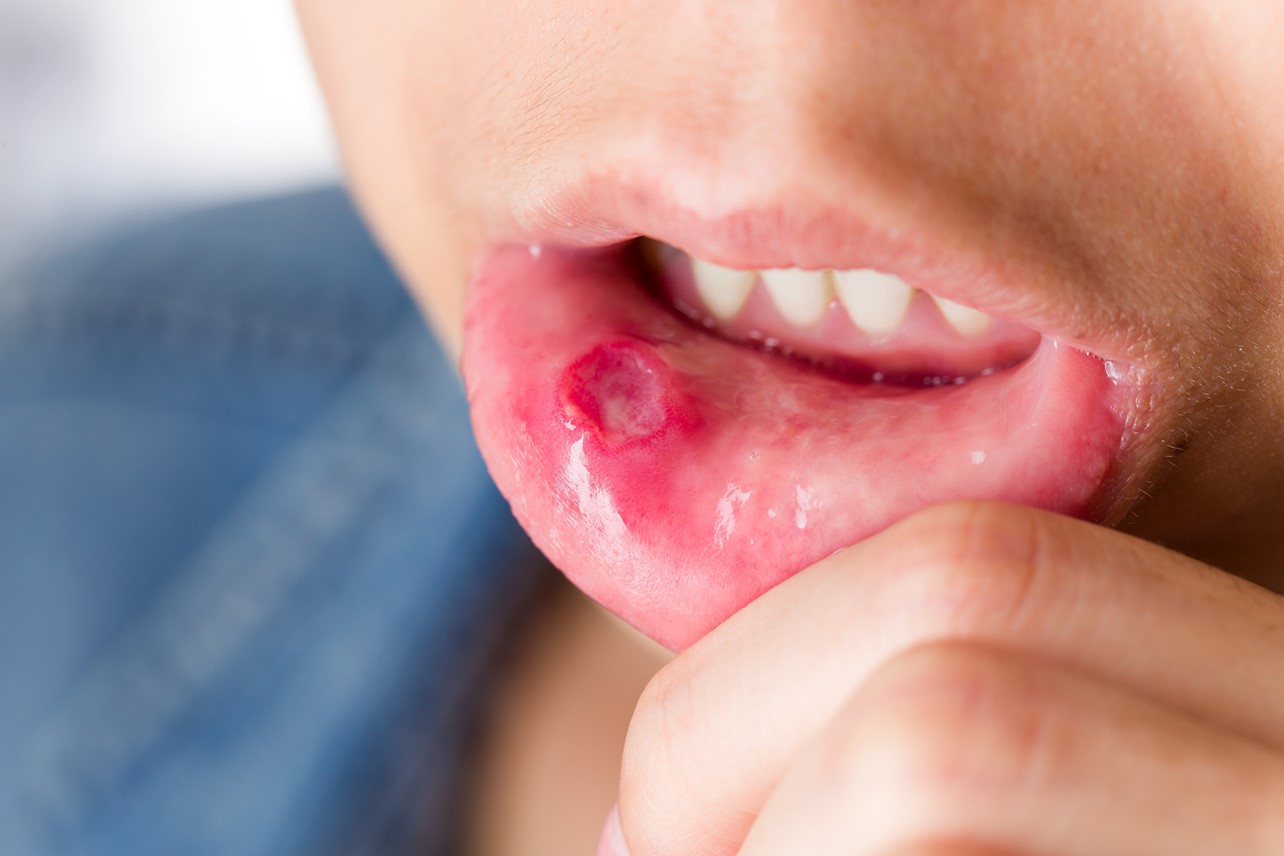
x=973, y=570
x=1265, y=794
x=652, y=730
x=946, y=722
x=947, y=848
x=659, y=766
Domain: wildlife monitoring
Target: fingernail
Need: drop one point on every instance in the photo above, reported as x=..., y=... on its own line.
x=612, y=841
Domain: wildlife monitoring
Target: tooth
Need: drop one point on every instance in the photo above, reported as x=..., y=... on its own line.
x=802, y=296
x=723, y=290
x=965, y=319
x=875, y=301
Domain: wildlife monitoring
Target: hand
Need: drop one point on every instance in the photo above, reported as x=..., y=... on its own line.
x=978, y=679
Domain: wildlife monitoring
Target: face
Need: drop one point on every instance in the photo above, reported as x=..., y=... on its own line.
x=1102, y=183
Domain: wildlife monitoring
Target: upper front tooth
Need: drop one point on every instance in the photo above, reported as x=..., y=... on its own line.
x=965, y=319
x=802, y=296
x=875, y=301
x=723, y=290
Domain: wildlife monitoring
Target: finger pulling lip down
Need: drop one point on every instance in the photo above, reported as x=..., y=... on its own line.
x=675, y=476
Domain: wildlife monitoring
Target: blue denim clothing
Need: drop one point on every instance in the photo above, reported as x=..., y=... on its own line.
x=253, y=575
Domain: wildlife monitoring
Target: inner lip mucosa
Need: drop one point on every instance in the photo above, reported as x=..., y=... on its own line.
x=675, y=474
x=863, y=326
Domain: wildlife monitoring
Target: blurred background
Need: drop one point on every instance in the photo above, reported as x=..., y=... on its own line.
x=114, y=106
x=253, y=576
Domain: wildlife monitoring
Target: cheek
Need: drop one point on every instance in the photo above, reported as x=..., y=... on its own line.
x=440, y=108
x=398, y=121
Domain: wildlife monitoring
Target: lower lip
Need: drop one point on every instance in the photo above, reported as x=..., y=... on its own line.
x=675, y=476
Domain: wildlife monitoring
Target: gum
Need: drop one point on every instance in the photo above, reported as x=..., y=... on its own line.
x=675, y=476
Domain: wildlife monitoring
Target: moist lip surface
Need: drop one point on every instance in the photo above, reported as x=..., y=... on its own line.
x=675, y=476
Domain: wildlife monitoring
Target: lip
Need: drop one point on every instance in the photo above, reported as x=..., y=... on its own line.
x=660, y=466
x=744, y=223
x=923, y=348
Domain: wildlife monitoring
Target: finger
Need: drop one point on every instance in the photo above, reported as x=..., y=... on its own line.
x=954, y=745
x=948, y=848
x=716, y=728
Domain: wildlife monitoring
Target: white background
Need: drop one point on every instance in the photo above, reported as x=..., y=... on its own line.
x=114, y=106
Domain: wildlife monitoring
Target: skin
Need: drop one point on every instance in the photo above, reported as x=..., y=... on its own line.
x=1125, y=162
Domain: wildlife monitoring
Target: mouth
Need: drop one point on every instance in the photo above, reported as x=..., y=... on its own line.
x=864, y=326
x=681, y=431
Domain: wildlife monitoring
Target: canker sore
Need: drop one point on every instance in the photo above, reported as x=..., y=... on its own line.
x=621, y=391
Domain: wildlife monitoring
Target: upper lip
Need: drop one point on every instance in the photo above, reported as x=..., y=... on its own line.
x=780, y=227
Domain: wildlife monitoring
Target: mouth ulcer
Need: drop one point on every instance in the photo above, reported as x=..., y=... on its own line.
x=676, y=468
x=623, y=392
